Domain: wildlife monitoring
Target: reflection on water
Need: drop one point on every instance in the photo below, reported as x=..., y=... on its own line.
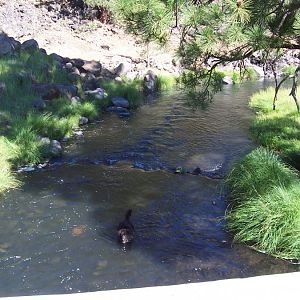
x=58, y=234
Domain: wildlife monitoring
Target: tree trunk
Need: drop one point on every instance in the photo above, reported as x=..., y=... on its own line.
x=294, y=88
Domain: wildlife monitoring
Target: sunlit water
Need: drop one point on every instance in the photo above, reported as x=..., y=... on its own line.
x=58, y=233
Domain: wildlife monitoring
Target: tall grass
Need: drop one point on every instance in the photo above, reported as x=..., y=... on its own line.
x=7, y=179
x=130, y=90
x=279, y=129
x=166, y=82
x=265, y=192
x=265, y=208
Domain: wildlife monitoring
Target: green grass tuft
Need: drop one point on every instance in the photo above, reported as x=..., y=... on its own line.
x=130, y=90
x=279, y=129
x=7, y=179
x=166, y=82
x=265, y=210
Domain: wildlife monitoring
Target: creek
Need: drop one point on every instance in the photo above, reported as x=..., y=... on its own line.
x=58, y=232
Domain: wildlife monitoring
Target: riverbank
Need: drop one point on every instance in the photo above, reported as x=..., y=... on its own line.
x=45, y=99
x=264, y=205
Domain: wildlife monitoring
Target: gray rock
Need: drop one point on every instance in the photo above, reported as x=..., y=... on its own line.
x=227, y=80
x=77, y=62
x=120, y=102
x=74, y=77
x=27, y=169
x=30, y=45
x=49, y=91
x=120, y=70
x=55, y=148
x=69, y=66
x=39, y=104
x=98, y=93
x=93, y=67
x=57, y=58
x=43, y=51
x=83, y=121
x=78, y=134
x=150, y=83
x=6, y=46
x=90, y=82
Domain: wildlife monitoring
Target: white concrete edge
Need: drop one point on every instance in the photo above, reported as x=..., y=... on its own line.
x=269, y=287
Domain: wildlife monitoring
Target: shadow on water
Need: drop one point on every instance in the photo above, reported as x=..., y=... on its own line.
x=58, y=234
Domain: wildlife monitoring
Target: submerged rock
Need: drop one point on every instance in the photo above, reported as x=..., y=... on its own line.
x=120, y=111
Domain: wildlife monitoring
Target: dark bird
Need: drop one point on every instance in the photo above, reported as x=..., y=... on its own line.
x=126, y=229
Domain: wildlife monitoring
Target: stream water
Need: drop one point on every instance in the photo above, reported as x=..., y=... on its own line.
x=58, y=232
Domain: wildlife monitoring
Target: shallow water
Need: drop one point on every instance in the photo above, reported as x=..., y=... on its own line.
x=58, y=233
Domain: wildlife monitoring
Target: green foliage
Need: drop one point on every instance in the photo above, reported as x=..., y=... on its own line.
x=99, y=3
x=130, y=90
x=289, y=70
x=279, y=129
x=215, y=34
x=265, y=210
x=166, y=82
x=149, y=19
x=258, y=173
x=7, y=179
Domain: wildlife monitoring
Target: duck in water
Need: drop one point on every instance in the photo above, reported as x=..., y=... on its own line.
x=126, y=229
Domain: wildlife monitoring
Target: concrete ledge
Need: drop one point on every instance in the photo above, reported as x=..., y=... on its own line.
x=270, y=287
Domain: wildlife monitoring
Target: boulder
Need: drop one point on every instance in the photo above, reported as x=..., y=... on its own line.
x=6, y=46
x=30, y=45
x=55, y=148
x=68, y=66
x=121, y=69
x=49, y=91
x=90, y=82
x=93, y=67
x=150, y=83
x=120, y=102
x=98, y=93
x=83, y=121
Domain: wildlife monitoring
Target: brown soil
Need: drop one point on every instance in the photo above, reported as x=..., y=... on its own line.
x=75, y=38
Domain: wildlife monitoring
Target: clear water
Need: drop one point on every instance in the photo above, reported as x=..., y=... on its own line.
x=58, y=232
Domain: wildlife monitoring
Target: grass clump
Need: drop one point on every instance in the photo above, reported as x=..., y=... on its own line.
x=7, y=179
x=265, y=207
x=130, y=90
x=166, y=82
x=279, y=129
